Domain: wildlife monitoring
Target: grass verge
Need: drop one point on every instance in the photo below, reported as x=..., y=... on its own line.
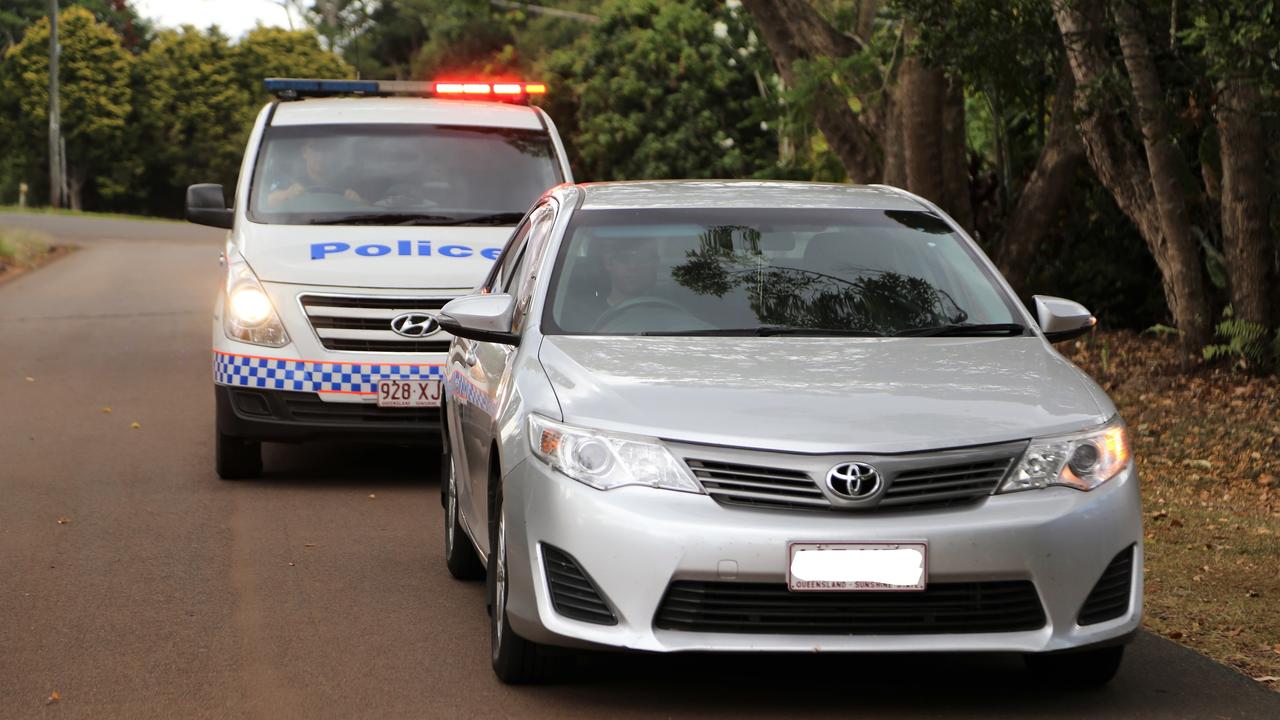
x=81, y=213
x=22, y=250
x=1207, y=444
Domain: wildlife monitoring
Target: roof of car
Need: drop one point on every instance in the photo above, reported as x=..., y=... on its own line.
x=743, y=194
x=405, y=110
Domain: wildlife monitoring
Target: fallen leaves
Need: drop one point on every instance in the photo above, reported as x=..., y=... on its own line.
x=53, y=698
x=64, y=520
x=372, y=496
x=106, y=411
x=1207, y=445
x=135, y=425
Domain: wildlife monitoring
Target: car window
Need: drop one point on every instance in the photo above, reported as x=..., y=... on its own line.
x=390, y=174
x=506, y=263
x=687, y=270
x=522, y=280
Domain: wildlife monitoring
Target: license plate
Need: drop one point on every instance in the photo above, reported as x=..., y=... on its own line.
x=408, y=393
x=857, y=566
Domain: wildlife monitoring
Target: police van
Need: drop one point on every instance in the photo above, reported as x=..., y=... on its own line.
x=362, y=208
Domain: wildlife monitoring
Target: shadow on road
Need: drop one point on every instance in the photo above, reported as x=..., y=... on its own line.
x=340, y=464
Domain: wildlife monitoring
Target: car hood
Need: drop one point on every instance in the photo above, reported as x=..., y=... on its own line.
x=371, y=256
x=822, y=395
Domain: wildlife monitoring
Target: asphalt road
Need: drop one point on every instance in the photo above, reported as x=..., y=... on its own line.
x=136, y=584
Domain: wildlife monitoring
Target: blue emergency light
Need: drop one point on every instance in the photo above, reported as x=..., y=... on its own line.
x=295, y=88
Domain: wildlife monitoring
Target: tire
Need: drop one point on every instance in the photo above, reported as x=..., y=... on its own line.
x=1076, y=670
x=237, y=458
x=516, y=661
x=459, y=555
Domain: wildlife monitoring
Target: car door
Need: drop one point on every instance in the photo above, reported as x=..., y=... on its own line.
x=490, y=363
x=466, y=421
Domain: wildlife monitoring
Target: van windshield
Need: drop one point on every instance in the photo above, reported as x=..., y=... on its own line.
x=399, y=175
x=736, y=271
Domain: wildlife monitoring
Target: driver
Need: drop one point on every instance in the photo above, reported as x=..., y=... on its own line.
x=632, y=267
x=322, y=177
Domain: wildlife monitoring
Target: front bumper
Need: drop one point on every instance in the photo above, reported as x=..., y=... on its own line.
x=285, y=416
x=634, y=542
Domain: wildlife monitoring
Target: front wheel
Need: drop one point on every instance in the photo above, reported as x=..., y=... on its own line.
x=459, y=556
x=516, y=661
x=1084, y=669
x=237, y=458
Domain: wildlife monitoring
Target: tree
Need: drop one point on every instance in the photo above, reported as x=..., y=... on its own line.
x=1144, y=177
x=657, y=90
x=1239, y=42
x=17, y=15
x=96, y=99
x=272, y=52
x=193, y=114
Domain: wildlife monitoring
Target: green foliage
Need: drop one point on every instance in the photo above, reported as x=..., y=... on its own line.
x=273, y=52
x=657, y=90
x=193, y=113
x=1249, y=345
x=1238, y=38
x=18, y=15
x=96, y=99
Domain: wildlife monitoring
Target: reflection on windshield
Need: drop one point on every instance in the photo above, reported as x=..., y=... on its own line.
x=399, y=175
x=720, y=272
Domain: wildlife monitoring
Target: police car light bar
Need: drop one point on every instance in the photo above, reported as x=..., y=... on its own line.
x=293, y=88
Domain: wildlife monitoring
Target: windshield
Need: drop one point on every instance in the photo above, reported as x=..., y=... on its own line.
x=399, y=175
x=729, y=271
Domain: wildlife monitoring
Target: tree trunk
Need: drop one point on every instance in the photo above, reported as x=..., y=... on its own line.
x=955, y=157
x=1047, y=192
x=795, y=32
x=922, y=90
x=75, y=183
x=1191, y=306
x=895, y=161
x=1122, y=168
x=1244, y=200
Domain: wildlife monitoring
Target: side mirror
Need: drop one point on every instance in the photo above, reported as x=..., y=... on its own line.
x=486, y=318
x=1062, y=319
x=206, y=205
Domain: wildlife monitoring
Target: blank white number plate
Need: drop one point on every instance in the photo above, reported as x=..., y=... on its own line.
x=408, y=393
x=857, y=566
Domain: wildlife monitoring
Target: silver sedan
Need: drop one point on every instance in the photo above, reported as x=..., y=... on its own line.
x=780, y=417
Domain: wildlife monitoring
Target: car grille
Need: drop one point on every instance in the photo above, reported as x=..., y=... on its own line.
x=1109, y=598
x=768, y=608
x=572, y=593
x=308, y=407
x=792, y=489
x=363, y=324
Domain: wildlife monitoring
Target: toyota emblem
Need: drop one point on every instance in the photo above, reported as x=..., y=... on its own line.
x=414, y=325
x=854, y=481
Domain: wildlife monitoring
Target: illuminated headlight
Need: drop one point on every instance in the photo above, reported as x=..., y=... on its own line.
x=606, y=460
x=1081, y=460
x=248, y=314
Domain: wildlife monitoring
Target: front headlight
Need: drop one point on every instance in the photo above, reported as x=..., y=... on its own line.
x=606, y=460
x=247, y=314
x=1080, y=460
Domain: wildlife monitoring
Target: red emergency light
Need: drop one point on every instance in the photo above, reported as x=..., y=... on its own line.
x=474, y=88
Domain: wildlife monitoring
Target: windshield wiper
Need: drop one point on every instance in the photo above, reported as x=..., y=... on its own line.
x=505, y=218
x=763, y=331
x=387, y=219
x=964, y=329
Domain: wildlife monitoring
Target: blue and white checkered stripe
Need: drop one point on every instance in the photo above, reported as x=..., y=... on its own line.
x=312, y=376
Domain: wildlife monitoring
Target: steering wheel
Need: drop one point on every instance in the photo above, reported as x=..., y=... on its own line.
x=627, y=306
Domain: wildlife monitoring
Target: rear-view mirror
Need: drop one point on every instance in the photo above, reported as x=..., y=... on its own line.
x=1061, y=319
x=486, y=318
x=206, y=205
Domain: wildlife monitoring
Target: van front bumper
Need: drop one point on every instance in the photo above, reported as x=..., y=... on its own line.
x=635, y=544
x=288, y=416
